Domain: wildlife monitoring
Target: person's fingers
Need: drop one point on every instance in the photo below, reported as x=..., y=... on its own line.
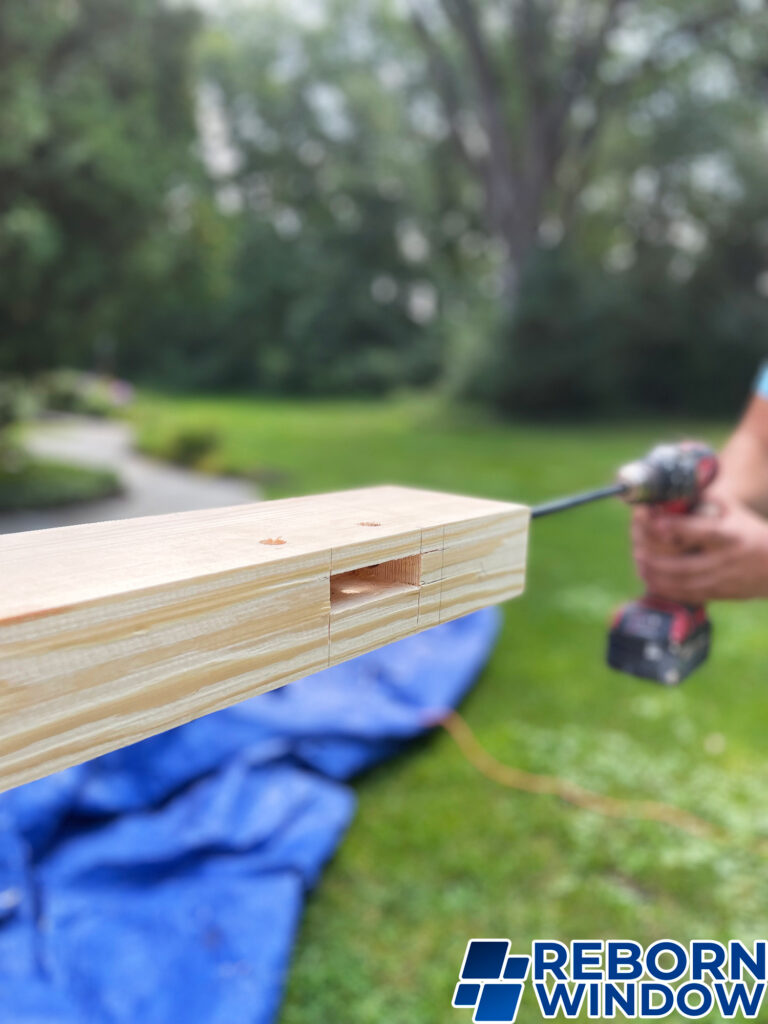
x=699, y=590
x=692, y=589
x=692, y=578
x=683, y=567
x=692, y=532
x=643, y=541
x=659, y=531
x=647, y=532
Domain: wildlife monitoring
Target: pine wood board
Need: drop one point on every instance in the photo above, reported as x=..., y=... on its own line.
x=112, y=632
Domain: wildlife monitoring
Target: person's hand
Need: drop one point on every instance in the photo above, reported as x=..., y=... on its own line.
x=722, y=555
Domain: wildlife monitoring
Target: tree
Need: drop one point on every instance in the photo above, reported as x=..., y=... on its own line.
x=528, y=87
x=314, y=164
x=584, y=125
x=96, y=126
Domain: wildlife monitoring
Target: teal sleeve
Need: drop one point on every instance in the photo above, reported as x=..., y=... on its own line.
x=761, y=384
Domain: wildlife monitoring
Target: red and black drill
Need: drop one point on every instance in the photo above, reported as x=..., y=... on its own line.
x=654, y=638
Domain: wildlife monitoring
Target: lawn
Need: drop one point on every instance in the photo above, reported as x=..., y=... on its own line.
x=437, y=853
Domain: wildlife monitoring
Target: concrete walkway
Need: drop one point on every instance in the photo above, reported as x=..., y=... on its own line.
x=150, y=487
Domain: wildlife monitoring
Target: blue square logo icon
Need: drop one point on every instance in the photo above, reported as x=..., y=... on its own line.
x=498, y=1003
x=516, y=968
x=466, y=995
x=484, y=959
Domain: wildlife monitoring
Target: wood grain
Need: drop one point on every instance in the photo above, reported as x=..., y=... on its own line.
x=111, y=632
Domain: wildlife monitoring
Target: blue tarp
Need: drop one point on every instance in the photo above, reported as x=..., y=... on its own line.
x=165, y=881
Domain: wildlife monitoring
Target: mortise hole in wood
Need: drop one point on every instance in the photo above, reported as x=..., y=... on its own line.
x=361, y=586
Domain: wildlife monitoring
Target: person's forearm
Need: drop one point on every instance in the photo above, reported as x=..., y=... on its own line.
x=744, y=462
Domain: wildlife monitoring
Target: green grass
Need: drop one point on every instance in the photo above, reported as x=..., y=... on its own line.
x=437, y=853
x=41, y=483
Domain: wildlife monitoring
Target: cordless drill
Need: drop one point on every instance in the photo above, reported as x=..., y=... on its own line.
x=654, y=638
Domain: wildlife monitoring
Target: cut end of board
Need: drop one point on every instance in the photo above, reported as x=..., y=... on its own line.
x=112, y=632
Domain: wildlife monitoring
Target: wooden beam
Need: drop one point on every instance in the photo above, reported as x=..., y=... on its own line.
x=111, y=632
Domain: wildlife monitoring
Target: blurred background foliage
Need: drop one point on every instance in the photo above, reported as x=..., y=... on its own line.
x=554, y=207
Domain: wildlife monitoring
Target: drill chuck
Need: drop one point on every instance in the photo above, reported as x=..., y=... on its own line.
x=673, y=476
x=637, y=481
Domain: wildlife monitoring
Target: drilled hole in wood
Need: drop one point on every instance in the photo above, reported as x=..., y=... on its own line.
x=371, y=582
x=272, y=540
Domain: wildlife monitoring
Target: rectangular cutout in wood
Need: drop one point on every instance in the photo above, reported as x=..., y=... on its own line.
x=371, y=582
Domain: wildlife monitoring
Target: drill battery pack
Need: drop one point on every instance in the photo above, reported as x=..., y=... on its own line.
x=659, y=640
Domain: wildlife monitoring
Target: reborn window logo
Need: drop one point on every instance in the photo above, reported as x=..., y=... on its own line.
x=491, y=982
x=608, y=978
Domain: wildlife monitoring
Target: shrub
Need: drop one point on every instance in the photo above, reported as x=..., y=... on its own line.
x=89, y=394
x=188, y=446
